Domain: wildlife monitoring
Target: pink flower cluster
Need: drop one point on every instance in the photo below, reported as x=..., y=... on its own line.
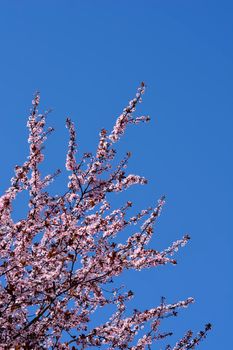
x=127, y=116
x=57, y=265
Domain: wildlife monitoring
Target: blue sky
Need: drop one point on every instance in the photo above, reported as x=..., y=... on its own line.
x=87, y=58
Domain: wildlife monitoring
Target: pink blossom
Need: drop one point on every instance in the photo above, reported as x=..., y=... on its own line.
x=58, y=264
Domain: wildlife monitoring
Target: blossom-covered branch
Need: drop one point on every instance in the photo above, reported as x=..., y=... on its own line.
x=58, y=264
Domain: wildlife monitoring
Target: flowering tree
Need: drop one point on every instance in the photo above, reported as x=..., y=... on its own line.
x=57, y=265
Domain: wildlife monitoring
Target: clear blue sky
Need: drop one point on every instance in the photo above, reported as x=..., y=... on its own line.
x=87, y=58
